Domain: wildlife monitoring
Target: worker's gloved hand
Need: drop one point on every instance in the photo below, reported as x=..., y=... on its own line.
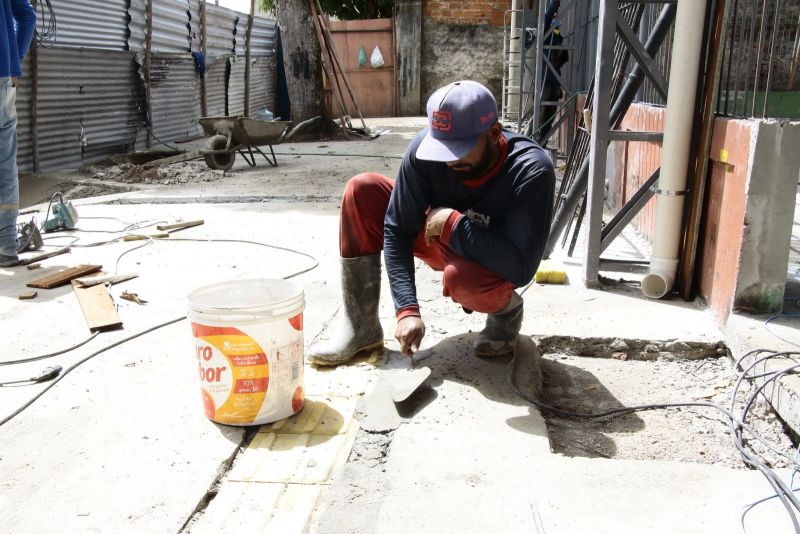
x=410, y=331
x=14, y=82
x=435, y=222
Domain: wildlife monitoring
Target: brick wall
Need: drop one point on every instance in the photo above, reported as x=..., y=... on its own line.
x=465, y=11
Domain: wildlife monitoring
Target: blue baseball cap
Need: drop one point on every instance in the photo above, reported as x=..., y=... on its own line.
x=458, y=114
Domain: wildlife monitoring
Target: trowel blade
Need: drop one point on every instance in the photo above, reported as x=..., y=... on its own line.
x=404, y=382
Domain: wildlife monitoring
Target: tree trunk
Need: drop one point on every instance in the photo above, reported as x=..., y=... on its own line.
x=301, y=58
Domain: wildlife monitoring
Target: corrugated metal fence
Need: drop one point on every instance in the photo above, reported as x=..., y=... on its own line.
x=90, y=92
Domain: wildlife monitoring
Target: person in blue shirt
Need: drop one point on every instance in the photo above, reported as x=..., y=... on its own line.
x=17, y=24
x=471, y=200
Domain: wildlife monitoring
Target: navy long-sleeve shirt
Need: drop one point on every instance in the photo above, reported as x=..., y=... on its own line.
x=503, y=223
x=17, y=24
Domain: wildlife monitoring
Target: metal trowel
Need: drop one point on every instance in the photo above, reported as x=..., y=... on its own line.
x=405, y=380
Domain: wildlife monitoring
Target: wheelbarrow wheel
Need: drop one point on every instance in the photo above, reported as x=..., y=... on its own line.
x=219, y=162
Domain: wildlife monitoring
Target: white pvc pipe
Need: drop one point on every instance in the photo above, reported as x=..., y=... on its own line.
x=680, y=114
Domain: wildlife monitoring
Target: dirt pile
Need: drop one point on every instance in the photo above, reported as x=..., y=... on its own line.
x=176, y=173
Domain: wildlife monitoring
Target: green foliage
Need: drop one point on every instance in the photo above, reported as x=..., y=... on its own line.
x=342, y=9
x=266, y=6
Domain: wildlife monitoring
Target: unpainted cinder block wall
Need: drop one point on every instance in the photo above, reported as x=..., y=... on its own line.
x=749, y=215
x=462, y=39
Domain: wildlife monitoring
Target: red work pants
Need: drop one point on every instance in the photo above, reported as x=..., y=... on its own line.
x=364, y=204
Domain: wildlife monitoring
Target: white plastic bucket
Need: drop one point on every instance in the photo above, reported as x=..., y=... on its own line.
x=249, y=349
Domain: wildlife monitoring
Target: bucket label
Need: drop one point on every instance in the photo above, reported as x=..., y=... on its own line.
x=250, y=377
x=233, y=372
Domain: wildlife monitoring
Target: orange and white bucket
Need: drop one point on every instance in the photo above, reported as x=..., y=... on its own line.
x=248, y=338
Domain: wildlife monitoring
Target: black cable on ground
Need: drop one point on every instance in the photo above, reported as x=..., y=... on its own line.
x=336, y=154
x=785, y=493
x=81, y=361
x=144, y=332
x=52, y=354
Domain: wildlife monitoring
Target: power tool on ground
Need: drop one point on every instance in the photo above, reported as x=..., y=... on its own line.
x=29, y=237
x=64, y=215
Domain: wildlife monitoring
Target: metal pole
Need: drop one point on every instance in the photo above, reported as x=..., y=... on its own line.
x=623, y=102
x=701, y=162
x=768, y=88
x=148, y=50
x=601, y=124
x=521, y=40
x=514, y=49
x=537, y=86
x=760, y=51
x=34, y=100
x=247, y=57
x=204, y=51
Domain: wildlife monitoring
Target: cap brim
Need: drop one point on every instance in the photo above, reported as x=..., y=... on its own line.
x=432, y=149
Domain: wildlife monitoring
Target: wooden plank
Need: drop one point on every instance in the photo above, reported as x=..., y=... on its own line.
x=28, y=295
x=63, y=277
x=136, y=237
x=338, y=63
x=102, y=278
x=179, y=226
x=98, y=308
x=40, y=257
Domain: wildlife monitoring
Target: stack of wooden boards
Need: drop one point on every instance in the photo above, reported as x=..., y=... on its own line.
x=96, y=302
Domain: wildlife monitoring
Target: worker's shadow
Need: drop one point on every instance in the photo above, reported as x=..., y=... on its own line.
x=550, y=382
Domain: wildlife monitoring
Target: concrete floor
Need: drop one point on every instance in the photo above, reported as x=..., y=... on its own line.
x=121, y=445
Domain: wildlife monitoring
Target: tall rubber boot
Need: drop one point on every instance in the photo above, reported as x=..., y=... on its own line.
x=500, y=335
x=359, y=330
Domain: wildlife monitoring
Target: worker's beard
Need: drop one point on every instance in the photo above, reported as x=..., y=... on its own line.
x=470, y=172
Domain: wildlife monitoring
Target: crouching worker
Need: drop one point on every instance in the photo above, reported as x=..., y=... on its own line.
x=472, y=201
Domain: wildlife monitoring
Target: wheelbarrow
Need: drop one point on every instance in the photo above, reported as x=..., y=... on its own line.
x=230, y=135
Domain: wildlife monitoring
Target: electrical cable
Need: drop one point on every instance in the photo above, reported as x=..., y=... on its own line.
x=750, y=506
x=737, y=425
x=148, y=330
x=778, y=316
x=46, y=37
x=50, y=204
x=247, y=242
x=782, y=492
x=82, y=361
x=336, y=154
x=52, y=354
x=785, y=493
x=145, y=244
x=150, y=132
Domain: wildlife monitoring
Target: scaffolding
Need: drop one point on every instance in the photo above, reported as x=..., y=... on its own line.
x=528, y=64
x=615, y=85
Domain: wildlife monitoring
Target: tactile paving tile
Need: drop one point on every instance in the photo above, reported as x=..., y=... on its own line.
x=320, y=416
x=252, y=507
x=292, y=458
